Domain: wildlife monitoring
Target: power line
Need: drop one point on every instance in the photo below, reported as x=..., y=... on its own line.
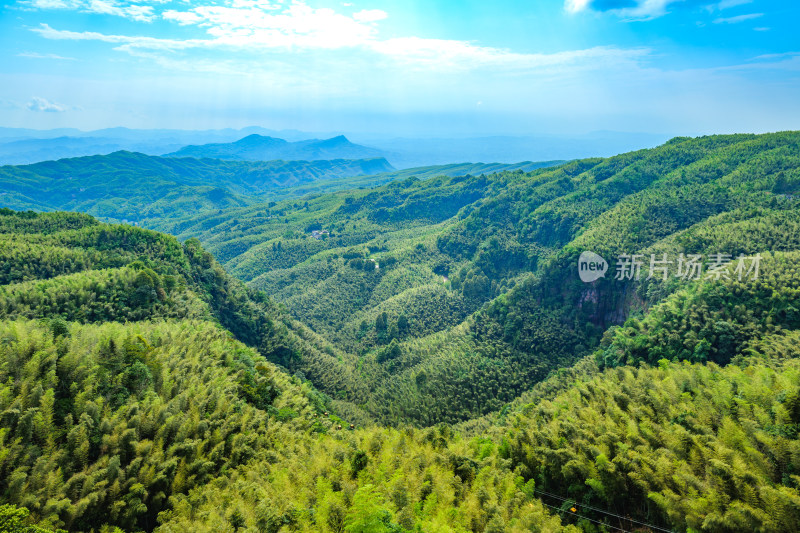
x=603, y=511
x=586, y=518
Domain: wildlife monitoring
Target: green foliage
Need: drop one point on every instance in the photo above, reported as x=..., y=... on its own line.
x=481, y=268
x=684, y=446
x=135, y=187
x=13, y=520
x=712, y=320
x=103, y=426
x=124, y=403
x=407, y=480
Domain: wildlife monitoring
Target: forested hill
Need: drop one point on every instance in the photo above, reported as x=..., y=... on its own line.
x=457, y=294
x=119, y=387
x=126, y=406
x=136, y=187
x=70, y=266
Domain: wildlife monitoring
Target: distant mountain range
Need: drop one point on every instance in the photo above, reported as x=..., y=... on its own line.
x=28, y=151
x=23, y=146
x=262, y=148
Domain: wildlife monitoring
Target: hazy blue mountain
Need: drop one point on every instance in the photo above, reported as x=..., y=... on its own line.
x=182, y=137
x=403, y=153
x=27, y=133
x=264, y=148
x=20, y=146
x=27, y=151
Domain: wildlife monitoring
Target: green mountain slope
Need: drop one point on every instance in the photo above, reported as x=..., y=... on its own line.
x=136, y=187
x=360, y=182
x=130, y=406
x=456, y=295
x=120, y=390
x=84, y=271
x=683, y=447
x=442, y=299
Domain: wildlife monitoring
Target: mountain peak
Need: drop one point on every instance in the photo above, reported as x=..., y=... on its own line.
x=259, y=140
x=257, y=147
x=340, y=141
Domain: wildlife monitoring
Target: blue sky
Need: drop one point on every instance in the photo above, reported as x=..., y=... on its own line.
x=403, y=66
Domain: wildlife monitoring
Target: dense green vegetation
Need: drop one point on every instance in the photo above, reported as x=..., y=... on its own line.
x=475, y=296
x=104, y=423
x=136, y=187
x=162, y=193
x=681, y=446
x=131, y=274
x=142, y=387
x=116, y=401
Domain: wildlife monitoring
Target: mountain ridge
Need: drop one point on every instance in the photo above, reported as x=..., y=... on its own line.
x=257, y=147
x=135, y=186
x=631, y=402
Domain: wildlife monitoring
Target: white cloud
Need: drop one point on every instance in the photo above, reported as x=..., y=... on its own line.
x=647, y=9
x=131, y=42
x=737, y=19
x=133, y=12
x=785, y=61
x=295, y=26
x=253, y=27
x=370, y=15
x=437, y=54
x=49, y=4
x=183, y=18
x=781, y=56
x=574, y=6
x=44, y=105
x=641, y=9
x=251, y=4
x=461, y=55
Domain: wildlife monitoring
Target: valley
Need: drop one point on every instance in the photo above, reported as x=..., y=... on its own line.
x=408, y=350
x=419, y=266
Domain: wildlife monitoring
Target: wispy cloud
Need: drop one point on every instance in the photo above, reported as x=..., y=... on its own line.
x=784, y=61
x=574, y=6
x=44, y=105
x=459, y=55
x=37, y=55
x=726, y=4
x=646, y=9
x=632, y=9
x=131, y=10
x=780, y=56
x=297, y=25
x=253, y=27
x=128, y=42
x=737, y=19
